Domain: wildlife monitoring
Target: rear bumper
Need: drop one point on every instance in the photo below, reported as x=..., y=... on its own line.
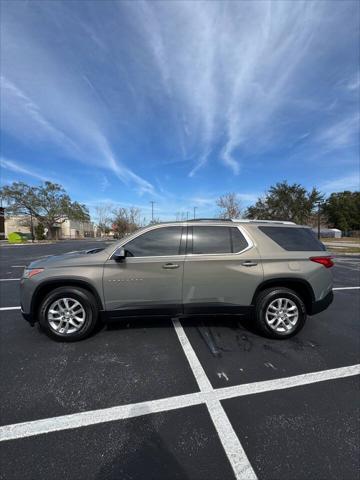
x=323, y=304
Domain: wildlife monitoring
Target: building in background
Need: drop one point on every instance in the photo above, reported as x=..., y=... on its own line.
x=2, y=223
x=69, y=229
x=329, y=232
x=75, y=229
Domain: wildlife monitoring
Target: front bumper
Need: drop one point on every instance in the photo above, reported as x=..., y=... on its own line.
x=321, y=305
x=28, y=317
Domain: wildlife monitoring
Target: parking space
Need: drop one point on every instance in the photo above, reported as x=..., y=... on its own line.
x=179, y=445
x=9, y=293
x=118, y=365
x=347, y=272
x=308, y=432
x=151, y=401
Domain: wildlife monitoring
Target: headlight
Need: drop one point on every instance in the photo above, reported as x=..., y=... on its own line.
x=30, y=272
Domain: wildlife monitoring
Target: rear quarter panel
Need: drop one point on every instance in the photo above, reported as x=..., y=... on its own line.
x=280, y=263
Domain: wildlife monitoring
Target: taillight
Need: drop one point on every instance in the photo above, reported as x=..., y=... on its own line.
x=326, y=261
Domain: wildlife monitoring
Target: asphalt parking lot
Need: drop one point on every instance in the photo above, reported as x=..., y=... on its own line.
x=192, y=399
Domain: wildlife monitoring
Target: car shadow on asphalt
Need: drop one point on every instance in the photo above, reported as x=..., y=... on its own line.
x=233, y=322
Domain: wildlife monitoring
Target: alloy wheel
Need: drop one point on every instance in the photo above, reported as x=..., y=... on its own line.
x=66, y=315
x=282, y=315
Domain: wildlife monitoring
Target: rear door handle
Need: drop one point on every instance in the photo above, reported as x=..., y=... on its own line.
x=170, y=266
x=249, y=263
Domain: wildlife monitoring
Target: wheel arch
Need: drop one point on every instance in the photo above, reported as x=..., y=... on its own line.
x=299, y=285
x=44, y=288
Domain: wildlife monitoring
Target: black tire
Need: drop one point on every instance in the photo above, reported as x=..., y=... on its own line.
x=88, y=303
x=263, y=301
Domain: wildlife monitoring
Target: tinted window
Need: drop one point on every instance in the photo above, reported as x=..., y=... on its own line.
x=162, y=241
x=217, y=240
x=294, y=239
x=238, y=240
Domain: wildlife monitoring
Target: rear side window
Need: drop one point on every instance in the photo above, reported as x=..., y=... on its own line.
x=207, y=240
x=294, y=239
x=160, y=242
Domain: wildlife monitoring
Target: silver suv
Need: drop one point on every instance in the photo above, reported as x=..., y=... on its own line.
x=277, y=272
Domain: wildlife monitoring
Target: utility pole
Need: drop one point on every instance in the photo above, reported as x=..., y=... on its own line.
x=187, y=216
x=319, y=219
x=31, y=228
x=152, y=210
x=195, y=212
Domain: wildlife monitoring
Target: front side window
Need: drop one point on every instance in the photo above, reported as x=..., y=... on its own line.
x=160, y=242
x=207, y=240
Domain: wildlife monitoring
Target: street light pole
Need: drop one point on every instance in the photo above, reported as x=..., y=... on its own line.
x=195, y=212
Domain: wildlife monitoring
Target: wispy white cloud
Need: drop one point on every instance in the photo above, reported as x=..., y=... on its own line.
x=16, y=167
x=210, y=201
x=55, y=105
x=138, y=88
x=22, y=115
x=347, y=182
x=342, y=133
x=104, y=183
x=354, y=83
x=230, y=68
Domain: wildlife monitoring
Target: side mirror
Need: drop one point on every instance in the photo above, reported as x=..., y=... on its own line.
x=119, y=254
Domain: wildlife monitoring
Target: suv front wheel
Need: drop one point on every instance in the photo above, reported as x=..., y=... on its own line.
x=68, y=314
x=280, y=312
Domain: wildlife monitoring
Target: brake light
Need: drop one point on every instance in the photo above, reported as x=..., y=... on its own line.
x=326, y=261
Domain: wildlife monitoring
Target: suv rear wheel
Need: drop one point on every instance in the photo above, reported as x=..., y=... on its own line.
x=280, y=312
x=68, y=314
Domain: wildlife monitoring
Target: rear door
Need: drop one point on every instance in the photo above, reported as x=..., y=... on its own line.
x=149, y=279
x=222, y=269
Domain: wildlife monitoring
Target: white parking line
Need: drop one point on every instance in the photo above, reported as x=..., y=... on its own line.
x=228, y=438
x=93, y=417
x=346, y=288
x=9, y=279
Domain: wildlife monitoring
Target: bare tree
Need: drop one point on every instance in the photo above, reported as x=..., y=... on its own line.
x=103, y=214
x=126, y=220
x=229, y=206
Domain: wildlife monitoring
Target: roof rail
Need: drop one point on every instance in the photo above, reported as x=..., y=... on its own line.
x=283, y=222
x=210, y=220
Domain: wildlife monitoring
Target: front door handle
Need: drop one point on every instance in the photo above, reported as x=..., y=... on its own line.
x=170, y=266
x=249, y=263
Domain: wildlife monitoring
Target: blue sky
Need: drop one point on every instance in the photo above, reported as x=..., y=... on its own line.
x=179, y=102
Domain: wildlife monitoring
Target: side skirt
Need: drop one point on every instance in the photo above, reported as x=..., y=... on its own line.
x=179, y=310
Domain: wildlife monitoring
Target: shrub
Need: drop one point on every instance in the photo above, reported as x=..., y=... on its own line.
x=17, y=237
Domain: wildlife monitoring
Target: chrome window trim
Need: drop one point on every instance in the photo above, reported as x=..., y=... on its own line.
x=250, y=242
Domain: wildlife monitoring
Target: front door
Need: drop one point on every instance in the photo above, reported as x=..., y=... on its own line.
x=222, y=270
x=149, y=280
